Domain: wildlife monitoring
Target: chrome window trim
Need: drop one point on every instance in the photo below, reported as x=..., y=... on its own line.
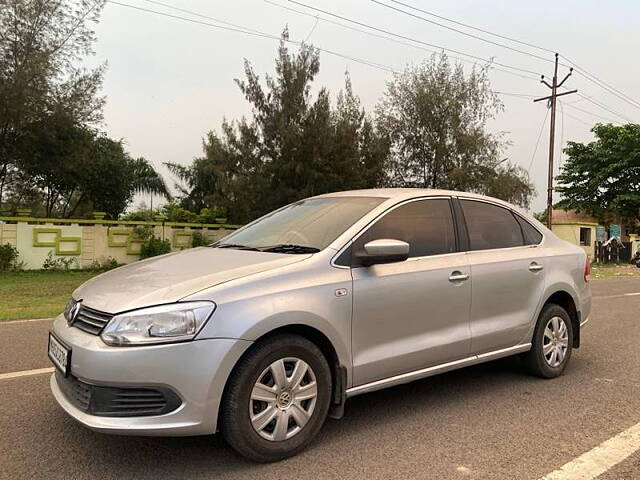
x=423, y=257
x=514, y=212
x=364, y=229
x=502, y=249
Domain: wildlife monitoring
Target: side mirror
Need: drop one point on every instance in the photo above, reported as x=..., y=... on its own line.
x=384, y=250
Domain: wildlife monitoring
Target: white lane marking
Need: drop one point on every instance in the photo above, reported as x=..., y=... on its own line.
x=595, y=462
x=633, y=294
x=26, y=373
x=13, y=322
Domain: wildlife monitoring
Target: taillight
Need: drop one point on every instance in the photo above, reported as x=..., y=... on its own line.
x=587, y=270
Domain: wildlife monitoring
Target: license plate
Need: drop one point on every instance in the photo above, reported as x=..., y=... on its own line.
x=59, y=354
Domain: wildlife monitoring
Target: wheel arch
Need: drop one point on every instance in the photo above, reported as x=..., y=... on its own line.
x=565, y=300
x=339, y=372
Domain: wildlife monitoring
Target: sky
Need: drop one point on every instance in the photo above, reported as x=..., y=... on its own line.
x=169, y=81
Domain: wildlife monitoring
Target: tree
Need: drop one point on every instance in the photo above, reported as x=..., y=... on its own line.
x=70, y=169
x=55, y=149
x=40, y=43
x=111, y=177
x=294, y=145
x=435, y=119
x=602, y=178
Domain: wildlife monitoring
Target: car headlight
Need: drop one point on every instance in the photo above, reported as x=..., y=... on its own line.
x=175, y=322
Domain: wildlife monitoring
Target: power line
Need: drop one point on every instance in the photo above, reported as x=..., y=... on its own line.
x=391, y=39
x=477, y=37
x=255, y=33
x=553, y=100
x=604, y=107
x=561, y=135
x=243, y=29
x=442, y=17
x=250, y=31
x=570, y=105
x=315, y=24
x=580, y=70
x=404, y=37
x=208, y=17
x=602, y=84
x=578, y=119
x=535, y=150
x=525, y=96
x=519, y=95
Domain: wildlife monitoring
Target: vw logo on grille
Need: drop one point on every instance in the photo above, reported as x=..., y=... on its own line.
x=73, y=313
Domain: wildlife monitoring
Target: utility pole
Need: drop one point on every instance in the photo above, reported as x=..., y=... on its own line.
x=552, y=103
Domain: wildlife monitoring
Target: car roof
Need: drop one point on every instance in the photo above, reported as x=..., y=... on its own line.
x=407, y=193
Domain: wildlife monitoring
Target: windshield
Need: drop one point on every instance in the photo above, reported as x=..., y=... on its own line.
x=312, y=224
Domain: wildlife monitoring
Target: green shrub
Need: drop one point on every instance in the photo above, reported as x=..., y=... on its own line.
x=104, y=264
x=142, y=232
x=8, y=258
x=154, y=246
x=175, y=213
x=59, y=264
x=198, y=239
x=143, y=215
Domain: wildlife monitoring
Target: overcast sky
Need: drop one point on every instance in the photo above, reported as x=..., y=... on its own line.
x=170, y=81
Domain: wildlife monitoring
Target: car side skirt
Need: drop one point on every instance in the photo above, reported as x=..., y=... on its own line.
x=436, y=369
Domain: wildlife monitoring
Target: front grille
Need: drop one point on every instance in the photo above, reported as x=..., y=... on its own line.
x=90, y=320
x=118, y=401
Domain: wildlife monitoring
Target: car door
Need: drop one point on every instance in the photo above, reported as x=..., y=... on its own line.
x=412, y=314
x=507, y=275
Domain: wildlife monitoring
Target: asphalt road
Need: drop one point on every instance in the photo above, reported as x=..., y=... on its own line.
x=485, y=422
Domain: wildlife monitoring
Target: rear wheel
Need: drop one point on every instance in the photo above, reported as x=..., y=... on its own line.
x=277, y=398
x=552, y=343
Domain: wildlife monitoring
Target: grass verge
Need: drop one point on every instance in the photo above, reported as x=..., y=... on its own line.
x=37, y=294
x=609, y=270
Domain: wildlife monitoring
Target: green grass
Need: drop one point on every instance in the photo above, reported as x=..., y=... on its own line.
x=609, y=270
x=37, y=294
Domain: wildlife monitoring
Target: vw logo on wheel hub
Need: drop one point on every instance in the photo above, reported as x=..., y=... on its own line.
x=284, y=399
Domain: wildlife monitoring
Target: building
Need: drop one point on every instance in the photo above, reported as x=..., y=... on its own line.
x=585, y=231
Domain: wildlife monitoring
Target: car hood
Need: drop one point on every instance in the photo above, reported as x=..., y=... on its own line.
x=171, y=277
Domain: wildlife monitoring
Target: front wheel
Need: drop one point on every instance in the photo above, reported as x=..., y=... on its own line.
x=552, y=343
x=277, y=398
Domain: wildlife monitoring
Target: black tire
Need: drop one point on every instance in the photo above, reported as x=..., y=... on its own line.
x=534, y=359
x=235, y=421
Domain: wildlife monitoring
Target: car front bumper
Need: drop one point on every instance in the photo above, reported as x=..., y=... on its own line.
x=196, y=371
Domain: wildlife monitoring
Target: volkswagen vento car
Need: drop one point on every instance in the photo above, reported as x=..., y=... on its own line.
x=265, y=333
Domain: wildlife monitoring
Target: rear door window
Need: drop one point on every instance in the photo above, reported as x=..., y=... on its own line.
x=490, y=226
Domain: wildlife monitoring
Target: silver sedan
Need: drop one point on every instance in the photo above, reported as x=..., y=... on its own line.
x=264, y=334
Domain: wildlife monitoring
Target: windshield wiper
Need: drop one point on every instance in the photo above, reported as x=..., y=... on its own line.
x=289, y=248
x=236, y=246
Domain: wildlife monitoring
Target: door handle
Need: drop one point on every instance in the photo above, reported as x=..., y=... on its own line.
x=458, y=276
x=534, y=267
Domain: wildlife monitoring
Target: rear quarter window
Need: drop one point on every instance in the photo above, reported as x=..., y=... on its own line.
x=531, y=234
